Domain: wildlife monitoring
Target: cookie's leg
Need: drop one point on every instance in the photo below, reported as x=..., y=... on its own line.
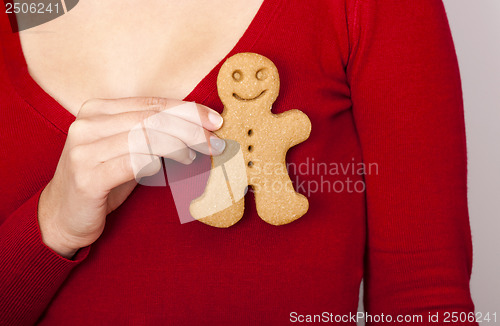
x=222, y=203
x=277, y=202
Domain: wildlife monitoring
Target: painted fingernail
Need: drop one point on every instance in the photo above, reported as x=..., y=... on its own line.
x=215, y=119
x=217, y=145
x=192, y=155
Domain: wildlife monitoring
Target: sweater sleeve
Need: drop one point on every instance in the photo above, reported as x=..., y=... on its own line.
x=408, y=109
x=30, y=272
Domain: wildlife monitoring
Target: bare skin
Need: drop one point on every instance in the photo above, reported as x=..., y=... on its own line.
x=127, y=48
x=105, y=49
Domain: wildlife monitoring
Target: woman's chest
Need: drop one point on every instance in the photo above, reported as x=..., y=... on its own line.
x=124, y=49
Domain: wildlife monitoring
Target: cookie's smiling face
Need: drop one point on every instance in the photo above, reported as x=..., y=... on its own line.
x=248, y=78
x=249, y=81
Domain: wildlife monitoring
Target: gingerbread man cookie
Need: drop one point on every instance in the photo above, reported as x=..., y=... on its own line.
x=256, y=147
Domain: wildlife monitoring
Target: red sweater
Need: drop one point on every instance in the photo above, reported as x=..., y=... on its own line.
x=380, y=83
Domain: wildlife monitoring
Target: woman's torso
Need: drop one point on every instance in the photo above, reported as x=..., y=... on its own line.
x=148, y=268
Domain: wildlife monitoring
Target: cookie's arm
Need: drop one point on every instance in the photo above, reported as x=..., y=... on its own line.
x=408, y=111
x=294, y=125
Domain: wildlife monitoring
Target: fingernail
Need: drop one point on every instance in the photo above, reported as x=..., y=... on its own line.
x=192, y=155
x=215, y=119
x=217, y=144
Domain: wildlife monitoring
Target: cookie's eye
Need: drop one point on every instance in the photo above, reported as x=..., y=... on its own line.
x=237, y=75
x=261, y=74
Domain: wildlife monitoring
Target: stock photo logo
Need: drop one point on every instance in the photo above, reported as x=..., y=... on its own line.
x=25, y=14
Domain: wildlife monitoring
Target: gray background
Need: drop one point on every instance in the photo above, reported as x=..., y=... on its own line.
x=475, y=25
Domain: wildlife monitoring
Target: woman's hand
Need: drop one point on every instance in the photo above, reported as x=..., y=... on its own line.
x=111, y=144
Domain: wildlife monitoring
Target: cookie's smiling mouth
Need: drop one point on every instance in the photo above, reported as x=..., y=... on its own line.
x=239, y=98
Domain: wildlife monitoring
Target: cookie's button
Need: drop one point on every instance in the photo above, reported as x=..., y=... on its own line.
x=250, y=132
x=250, y=148
x=250, y=164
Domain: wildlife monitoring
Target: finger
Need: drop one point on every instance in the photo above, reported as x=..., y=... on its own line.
x=90, y=129
x=148, y=131
x=93, y=128
x=189, y=133
x=140, y=142
x=115, y=196
x=190, y=111
x=87, y=130
x=125, y=168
